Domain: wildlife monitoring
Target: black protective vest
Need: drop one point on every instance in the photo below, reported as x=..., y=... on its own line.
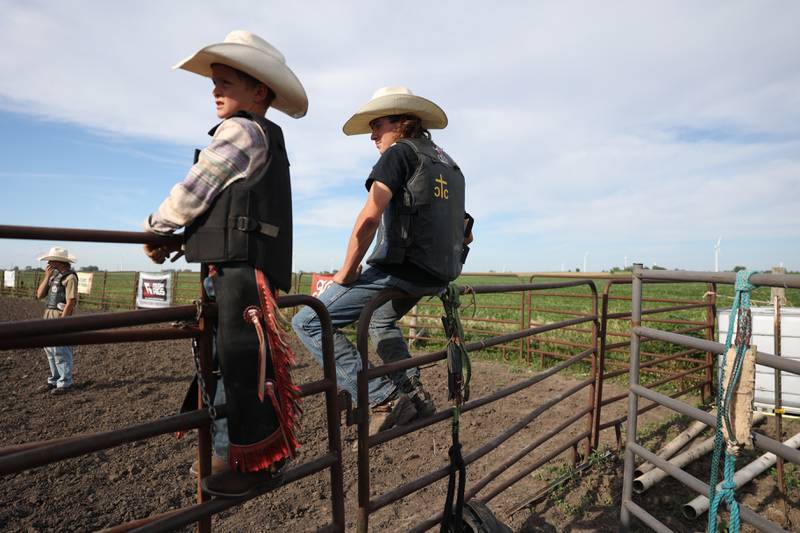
x=424, y=222
x=251, y=219
x=57, y=293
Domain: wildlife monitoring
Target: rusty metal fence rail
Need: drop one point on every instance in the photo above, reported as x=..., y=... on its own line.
x=369, y=504
x=589, y=344
x=118, y=327
x=109, y=290
x=687, y=371
x=636, y=391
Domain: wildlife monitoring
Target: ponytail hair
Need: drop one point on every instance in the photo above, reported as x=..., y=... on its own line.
x=410, y=126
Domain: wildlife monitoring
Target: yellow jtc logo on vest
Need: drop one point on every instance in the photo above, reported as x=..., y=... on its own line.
x=440, y=190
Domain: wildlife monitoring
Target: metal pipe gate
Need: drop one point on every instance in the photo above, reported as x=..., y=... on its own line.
x=368, y=505
x=633, y=448
x=99, y=328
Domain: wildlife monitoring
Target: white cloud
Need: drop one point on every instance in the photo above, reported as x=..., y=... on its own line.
x=674, y=121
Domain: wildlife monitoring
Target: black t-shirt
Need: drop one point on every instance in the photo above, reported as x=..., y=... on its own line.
x=394, y=168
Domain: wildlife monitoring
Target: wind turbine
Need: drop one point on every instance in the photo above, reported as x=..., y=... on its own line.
x=716, y=254
x=585, y=255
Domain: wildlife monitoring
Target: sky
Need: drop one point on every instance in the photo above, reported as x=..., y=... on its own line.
x=590, y=133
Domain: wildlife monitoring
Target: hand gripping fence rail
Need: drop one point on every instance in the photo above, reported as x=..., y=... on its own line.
x=368, y=505
x=114, y=328
x=632, y=449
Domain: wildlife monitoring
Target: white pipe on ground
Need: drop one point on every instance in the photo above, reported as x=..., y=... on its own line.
x=675, y=445
x=699, y=505
x=645, y=481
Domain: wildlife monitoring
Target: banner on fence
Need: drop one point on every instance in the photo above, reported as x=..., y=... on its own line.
x=9, y=278
x=85, y=282
x=154, y=290
x=320, y=282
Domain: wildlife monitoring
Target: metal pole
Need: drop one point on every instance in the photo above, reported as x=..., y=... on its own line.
x=700, y=504
x=601, y=368
x=103, y=303
x=362, y=416
x=522, y=342
x=633, y=399
x=135, y=289
x=591, y=428
x=789, y=281
x=528, y=319
x=174, y=288
x=779, y=398
x=92, y=322
x=711, y=316
x=762, y=358
x=204, y=443
x=331, y=404
x=86, y=235
x=35, y=282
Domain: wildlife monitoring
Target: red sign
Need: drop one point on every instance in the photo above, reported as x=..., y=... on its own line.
x=320, y=282
x=155, y=289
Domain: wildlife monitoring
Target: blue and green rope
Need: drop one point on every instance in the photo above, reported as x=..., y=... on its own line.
x=740, y=314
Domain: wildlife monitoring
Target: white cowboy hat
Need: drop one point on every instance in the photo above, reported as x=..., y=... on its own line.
x=395, y=101
x=58, y=254
x=253, y=55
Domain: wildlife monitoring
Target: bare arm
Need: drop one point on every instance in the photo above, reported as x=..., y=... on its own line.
x=69, y=307
x=364, y=230
x=41, y=291
x=71, y=288
x=237, y=150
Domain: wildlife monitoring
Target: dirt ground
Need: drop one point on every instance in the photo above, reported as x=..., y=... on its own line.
x=120, y=385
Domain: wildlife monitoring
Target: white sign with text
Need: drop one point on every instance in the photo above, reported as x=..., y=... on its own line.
x=154, y=290
x=85, y=282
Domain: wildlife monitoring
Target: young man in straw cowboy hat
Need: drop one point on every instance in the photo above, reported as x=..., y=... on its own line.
x=416, y=205
x=60, y=286
x=236, y=206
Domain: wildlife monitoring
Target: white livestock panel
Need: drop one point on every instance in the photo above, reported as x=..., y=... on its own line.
x=764, y=339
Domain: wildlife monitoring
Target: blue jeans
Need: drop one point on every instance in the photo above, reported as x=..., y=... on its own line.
x=344, y=303
x=60, y=360
x=219, y=431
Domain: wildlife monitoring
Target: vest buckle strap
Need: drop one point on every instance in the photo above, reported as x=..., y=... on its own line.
x=243, y=223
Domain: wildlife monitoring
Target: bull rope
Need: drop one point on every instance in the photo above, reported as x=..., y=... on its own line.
x=459, y=372
x=740, y=314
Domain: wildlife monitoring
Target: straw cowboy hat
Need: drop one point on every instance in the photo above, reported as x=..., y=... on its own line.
x=58, y=254
x=395, y=101
x=253, y=55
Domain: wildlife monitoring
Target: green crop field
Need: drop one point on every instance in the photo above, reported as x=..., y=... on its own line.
x=489, y=315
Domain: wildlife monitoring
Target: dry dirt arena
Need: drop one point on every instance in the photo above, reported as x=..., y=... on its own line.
x=120, y=385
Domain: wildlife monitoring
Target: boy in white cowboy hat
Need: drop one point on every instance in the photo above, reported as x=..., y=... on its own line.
x=60, y=286
x=416, y=205
x=236, y=206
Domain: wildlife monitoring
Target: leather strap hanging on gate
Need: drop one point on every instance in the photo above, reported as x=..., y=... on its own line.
x=459, y=373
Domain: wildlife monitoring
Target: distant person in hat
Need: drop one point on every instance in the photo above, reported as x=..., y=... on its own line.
x=60, y=286
x=236, y=207
x=415, y=204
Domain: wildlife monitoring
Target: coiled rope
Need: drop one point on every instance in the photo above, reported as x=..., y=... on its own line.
x=459, y=372
x=740, y=314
